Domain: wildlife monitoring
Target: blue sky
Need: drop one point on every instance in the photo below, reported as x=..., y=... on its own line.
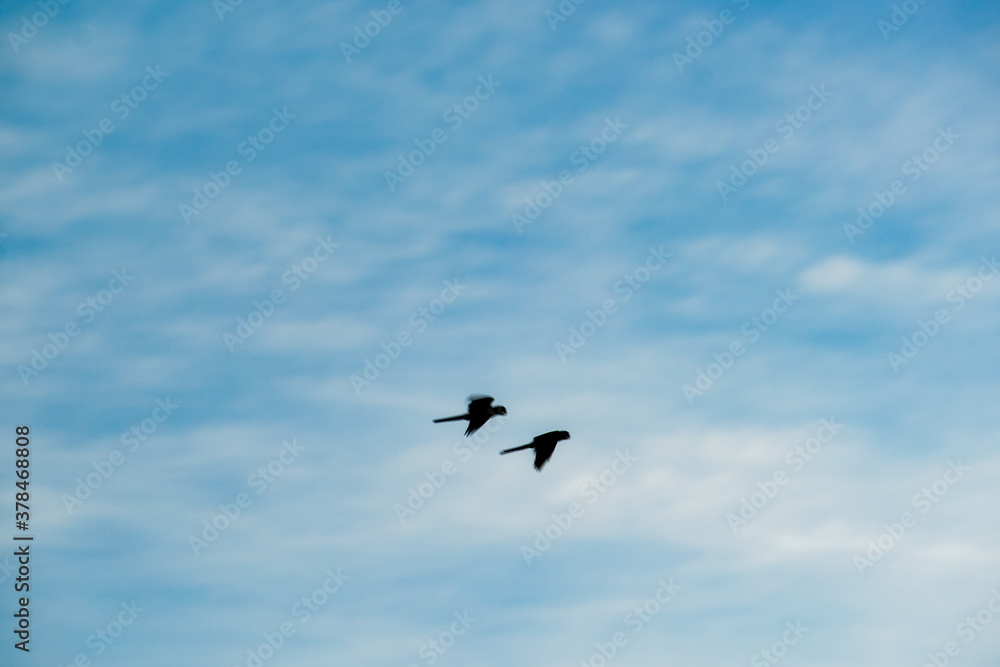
x=639, y=224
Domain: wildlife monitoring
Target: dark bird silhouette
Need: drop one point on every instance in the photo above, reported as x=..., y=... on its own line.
x=481, y=408
x=543, y=445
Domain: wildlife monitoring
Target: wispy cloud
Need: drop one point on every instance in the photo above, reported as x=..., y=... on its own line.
x=318, y=224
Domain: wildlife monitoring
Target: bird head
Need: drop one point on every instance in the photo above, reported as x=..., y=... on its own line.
x=500, y=410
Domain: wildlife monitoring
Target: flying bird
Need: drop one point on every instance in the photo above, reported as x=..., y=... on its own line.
x=481, y=408
x=543, y=445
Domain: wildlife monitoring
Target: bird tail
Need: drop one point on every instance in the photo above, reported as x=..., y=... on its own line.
x=515, y=449
x=451, y=419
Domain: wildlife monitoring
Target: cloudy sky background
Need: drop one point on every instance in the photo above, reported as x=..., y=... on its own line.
x=622, y=393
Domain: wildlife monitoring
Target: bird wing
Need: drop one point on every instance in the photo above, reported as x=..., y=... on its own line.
x=476, y=421
x=543, y=452
x=479, y=402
